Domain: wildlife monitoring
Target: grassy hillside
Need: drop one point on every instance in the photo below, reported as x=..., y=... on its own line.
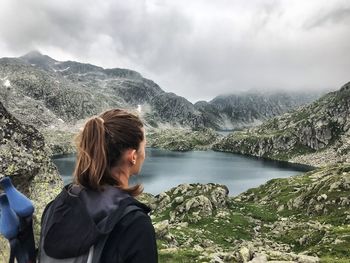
x=304, y=218
x=317, y=134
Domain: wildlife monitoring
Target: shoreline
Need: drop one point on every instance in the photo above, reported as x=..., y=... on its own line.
x=264, y=163
x=61, y=143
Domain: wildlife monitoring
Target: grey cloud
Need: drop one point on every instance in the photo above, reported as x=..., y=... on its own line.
x=32, y=23
x=337, y=16
x=197, y=50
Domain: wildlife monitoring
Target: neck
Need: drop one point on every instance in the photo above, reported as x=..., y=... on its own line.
x=122, y=175
x=124, y=180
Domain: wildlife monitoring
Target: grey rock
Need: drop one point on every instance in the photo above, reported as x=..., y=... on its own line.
x=161, y=229
x=26, y=160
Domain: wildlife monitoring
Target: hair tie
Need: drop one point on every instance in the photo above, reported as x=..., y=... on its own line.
x=102, y=120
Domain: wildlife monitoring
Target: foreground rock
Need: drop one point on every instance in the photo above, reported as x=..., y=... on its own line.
x=304, y=218
x=317, y=134
x=25, y=158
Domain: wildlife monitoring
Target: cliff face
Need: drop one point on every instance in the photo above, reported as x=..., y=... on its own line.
x=177, y=110
x=26, y=160
x=299, y=219
x=323, y=126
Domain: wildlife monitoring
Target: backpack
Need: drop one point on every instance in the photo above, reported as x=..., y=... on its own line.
x=16, y=212
x=95, y=252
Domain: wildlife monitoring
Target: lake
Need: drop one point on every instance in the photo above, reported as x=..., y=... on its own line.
x=164, y=169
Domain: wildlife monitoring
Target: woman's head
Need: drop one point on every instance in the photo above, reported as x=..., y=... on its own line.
x=113, y=140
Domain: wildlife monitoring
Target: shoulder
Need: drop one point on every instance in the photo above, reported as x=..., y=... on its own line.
x=132, y=240
x=136, y=218
x=133, y=225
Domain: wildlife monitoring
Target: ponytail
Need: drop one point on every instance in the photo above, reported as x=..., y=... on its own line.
x=100, y=146
x=91, y=163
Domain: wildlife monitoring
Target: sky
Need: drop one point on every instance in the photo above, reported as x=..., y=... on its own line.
x=197, y=49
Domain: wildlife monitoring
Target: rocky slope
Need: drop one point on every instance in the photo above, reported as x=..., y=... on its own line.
x=304, y=218
x=45, y=99
x=25, y=158
x=48, y=93
x=181, y=139
x=317, y=134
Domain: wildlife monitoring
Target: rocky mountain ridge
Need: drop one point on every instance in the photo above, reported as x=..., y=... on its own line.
x=44, y=92
x=64, y=92
x=317, y=134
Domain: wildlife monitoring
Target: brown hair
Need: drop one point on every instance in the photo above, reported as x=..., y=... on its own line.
x=100, y=146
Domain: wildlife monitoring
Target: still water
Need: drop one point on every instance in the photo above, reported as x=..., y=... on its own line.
x=163, y=170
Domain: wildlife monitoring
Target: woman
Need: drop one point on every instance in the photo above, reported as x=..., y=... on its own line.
x=97, y=218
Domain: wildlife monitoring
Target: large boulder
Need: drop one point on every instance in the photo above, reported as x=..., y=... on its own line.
x=25, y=158
x=191, y=202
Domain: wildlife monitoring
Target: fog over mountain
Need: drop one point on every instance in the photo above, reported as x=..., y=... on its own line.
x=196, y=49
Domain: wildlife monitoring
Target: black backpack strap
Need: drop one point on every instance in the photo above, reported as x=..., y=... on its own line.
x=13, y=245
x=100, y=245
x=43, y=229
x=23, y=245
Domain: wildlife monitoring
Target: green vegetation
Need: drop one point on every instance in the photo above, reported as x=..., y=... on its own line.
x=178, y=255
x=319, y=130
x=308, y=213
x=60, y=142
x=181, y=139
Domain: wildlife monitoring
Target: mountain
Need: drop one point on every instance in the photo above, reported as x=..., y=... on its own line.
x=47, y=93
x=237, y=111
x=316, y=134
x=42, y=91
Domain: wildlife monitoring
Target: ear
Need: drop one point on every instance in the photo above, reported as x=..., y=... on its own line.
x=132, y=156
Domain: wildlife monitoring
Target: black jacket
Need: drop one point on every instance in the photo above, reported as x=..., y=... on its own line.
x=78, y=218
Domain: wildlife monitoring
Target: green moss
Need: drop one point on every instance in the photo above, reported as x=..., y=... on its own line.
x=300, y=115
x=179, y=256
x=262, y=213
x=293, y=236
x=328, y=259
x=11, y=169
x=181, y=139
x=237, y=225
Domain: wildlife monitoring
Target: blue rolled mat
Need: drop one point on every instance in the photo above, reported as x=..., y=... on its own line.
x=19, y=203
x=9, y=222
